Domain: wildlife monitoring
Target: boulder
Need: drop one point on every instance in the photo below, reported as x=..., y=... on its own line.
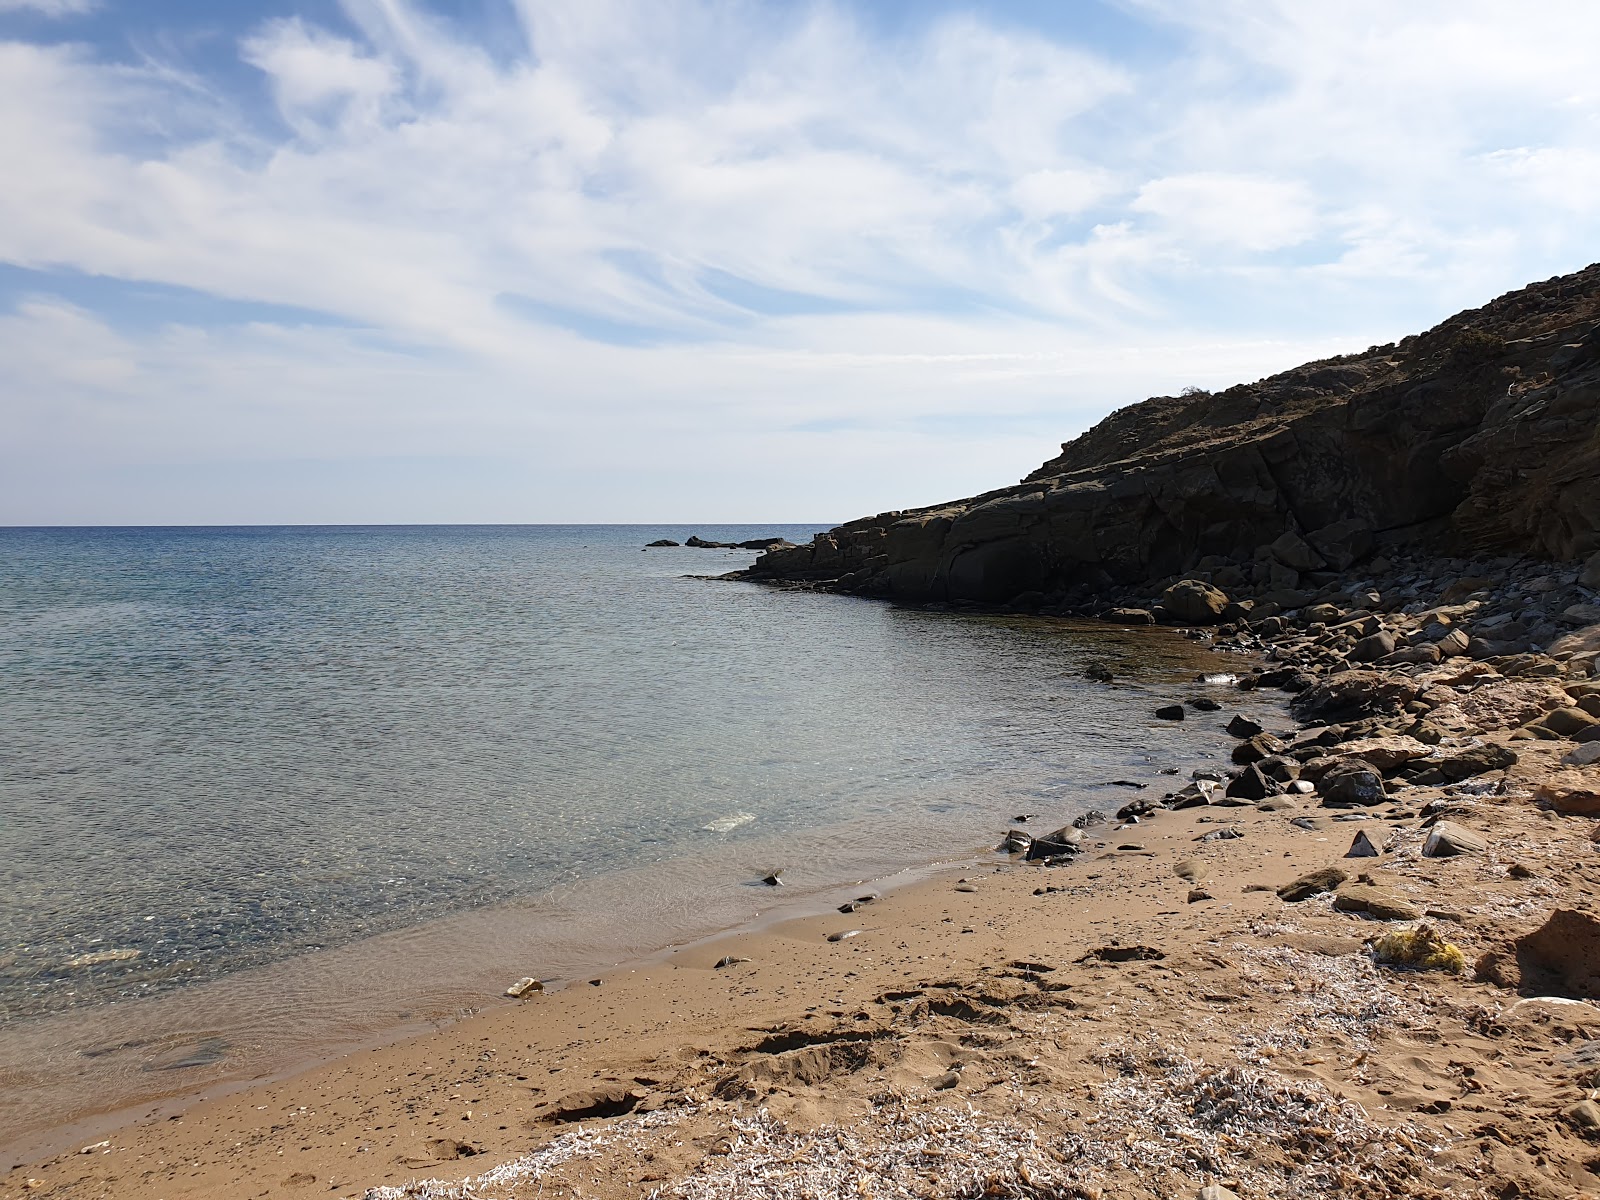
x=1066, y=840
x=661, y=542
x=1343, y=544
x=1351, y=783
x=1589, y=577
x=1386, y=753
x=1194, y=602
x=1447, y=839
x=1566, y=722
x=1295, y=552
x=1373, y=647
x=1170, y=712
x=1560, y=958
x=1351, y=695
x=1254, y=749
x=1243, y=727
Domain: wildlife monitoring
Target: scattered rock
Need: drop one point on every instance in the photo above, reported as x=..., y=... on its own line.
x=661, y=542
x=1312, y=883
x=527, y=986
x=1129, y=616
x=1352, y=695
x=1361, y=846
x=728, y=960
x=1447, y=839
x=1375, y=902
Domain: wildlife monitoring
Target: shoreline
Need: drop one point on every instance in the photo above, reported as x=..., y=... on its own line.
x=221, y=1041
x=1202, y=985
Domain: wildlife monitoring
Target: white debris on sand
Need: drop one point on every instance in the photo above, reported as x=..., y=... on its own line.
x=1160, y=1121
x=580, y=1143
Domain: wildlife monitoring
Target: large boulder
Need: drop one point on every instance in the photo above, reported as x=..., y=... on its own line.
x=1352, y=695
x=1194, y=602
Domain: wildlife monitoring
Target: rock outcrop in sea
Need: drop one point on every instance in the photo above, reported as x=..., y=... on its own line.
x=1479, y=437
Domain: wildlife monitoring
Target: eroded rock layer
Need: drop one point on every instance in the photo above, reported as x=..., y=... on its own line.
x=1480, y=435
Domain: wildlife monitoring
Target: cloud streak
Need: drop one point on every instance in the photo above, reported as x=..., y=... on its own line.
x=718, y=229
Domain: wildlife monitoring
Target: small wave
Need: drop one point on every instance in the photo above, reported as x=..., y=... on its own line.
x=730, y=822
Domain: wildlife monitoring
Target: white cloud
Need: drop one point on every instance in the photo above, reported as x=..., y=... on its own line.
x=51, y=8
x=1232, y=210
x=969, y=239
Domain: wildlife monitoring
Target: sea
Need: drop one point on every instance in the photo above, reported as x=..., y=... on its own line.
x=269, y=794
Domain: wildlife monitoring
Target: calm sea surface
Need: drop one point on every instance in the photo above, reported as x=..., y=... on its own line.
x=233, y=755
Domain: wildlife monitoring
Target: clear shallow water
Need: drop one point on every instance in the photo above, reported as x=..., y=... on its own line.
x=228, y=748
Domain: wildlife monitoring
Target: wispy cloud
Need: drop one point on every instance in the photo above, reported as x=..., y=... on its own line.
x=50, y=8
x=623, y=230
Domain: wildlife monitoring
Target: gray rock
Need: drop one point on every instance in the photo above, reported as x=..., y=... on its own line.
x=1372, y=648
x=1349, y=782
x=1362, y=846
x=1243, y=727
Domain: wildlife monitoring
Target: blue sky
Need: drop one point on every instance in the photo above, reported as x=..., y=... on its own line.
x=658, y=260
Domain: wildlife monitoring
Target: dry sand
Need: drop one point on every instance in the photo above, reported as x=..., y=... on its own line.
x=1143, y=1021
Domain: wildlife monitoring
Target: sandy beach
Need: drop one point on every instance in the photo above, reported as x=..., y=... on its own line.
x=1144, y=1020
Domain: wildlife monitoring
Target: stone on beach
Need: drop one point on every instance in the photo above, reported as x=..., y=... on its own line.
x=1312, y=883
x=1447, y=839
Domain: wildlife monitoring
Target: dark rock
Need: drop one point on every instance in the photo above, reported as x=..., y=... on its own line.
x=1203, y=704
x=1312, y=883
x=1351, y=782
x=1351, y=695
x=1472, y=432
x=1254, y=749
x=1253, y=784
x=700, y=543
x=1170, y=712
x=1194, y=602
x=1243, y=727
x=1098, y=672
x=661, y=542
x=770, y=543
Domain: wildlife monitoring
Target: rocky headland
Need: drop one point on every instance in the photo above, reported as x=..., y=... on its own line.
x=1479, y=437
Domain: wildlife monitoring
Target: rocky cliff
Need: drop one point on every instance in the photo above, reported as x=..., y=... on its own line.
x=1481, y=435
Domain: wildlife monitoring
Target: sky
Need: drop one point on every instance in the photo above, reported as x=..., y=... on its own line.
x=392, y=261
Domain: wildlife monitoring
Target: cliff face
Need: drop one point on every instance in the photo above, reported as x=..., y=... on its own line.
x=1482, y=434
